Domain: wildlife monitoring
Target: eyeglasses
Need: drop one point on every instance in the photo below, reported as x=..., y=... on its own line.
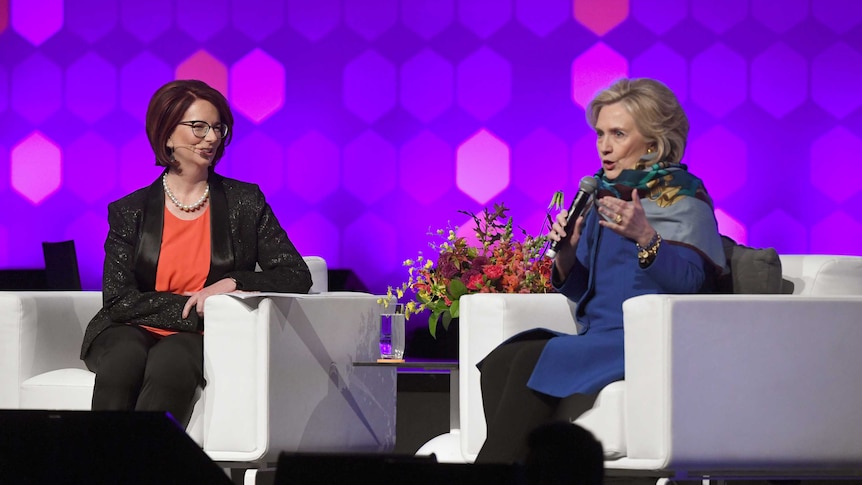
x=201, y=128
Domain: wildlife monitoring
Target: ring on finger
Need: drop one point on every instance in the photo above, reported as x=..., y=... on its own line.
x=618, y=219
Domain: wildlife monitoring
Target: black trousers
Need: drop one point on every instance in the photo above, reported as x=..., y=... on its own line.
x=512, y=410
x=136, y=370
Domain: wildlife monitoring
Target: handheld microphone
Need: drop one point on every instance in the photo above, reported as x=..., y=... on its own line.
x=586, y=188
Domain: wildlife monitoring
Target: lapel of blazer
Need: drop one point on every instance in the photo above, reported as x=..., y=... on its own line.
x=147, y=252
x=222, y=258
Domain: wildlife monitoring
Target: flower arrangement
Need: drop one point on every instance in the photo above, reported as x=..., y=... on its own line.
x=500, y=264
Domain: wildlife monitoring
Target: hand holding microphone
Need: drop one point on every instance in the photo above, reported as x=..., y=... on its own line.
x=581, y=201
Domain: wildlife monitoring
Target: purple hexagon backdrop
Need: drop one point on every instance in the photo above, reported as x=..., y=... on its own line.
x=367, y=122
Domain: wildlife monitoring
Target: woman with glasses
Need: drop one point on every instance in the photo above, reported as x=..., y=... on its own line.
x=189, y=235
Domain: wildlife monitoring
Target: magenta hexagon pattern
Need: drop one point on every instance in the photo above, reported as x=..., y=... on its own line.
x=839, y=61
x=139, y=79
x=257, y=85
x=426, y=167
x=539, y=149
x=719, y=80
x=36, y=88
x=427, y=18
x=369, y=167
x=207, y=21
x=370, y=19
x=37, y=21
x=482, y=166
x=662, y=62
x=369, y=86
x=91, y=19
x=138, y=167
x=484, y=17
x=90, y=167
x=731, y=227
x=838, y=15
x=313, y=19
x=595, y=69
x=91, y=88
x=366, y=122
x=146, y=20
x=313, y=167
x=35, y=167
x=659, y=16
x=4, y=89
x=261, y=162
x=836, y=145
x=259, y=19
x=600, y=16
x=202, y=65
x=4, y=15
x=427, y=85
x=778, y=99
x=542, y=16
x=478, y=96
x=715, y=164
x=719, y=16
x=779, y=15
x=320, y=237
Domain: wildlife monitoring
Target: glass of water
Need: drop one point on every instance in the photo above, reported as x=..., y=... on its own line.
x=392, y=332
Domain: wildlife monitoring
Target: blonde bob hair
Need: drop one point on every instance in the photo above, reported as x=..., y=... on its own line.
x=656, y=112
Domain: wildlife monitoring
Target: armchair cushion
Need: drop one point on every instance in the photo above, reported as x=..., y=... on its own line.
x=752, y=270
x=69, y=388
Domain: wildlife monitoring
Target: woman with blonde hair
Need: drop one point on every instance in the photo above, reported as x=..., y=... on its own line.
x=652, y=229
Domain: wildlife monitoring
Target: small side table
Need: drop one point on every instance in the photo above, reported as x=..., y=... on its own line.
x=446, y=446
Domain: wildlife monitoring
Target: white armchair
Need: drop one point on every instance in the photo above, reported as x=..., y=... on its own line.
x=732, y=385
x=278, y=368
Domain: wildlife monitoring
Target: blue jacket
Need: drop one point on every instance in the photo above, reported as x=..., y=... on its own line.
x=607, y=273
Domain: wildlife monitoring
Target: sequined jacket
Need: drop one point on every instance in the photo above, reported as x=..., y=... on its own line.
x=244, y=232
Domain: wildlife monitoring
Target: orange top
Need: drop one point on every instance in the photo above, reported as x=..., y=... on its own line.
x=184, y=260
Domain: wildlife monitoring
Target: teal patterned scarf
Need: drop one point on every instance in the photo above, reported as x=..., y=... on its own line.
x=676, y=205
x=662, y=182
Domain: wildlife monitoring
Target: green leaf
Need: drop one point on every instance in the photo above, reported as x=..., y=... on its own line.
x=432, y=323
x=457, y=288
x=447, y=318
x=454, y=311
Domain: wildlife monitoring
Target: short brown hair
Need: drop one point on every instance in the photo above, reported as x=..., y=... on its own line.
x=656, y=112
x=166, y=110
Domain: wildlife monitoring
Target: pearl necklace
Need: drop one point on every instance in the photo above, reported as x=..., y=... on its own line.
x=183, y=207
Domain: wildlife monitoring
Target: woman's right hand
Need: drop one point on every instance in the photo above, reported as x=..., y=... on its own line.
x=565, y=257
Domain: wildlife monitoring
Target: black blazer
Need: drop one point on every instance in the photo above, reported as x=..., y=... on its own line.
x=244, y=232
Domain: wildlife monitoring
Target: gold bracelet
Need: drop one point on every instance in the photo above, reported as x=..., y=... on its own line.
x=647, y=254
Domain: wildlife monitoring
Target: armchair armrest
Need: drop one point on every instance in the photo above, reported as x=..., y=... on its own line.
x=280, y=376
x=743, y=382
x=486, y=320
x=41, y=332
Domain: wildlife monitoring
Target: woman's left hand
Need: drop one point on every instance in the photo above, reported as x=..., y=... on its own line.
x=626, y=218
x=197, y=299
